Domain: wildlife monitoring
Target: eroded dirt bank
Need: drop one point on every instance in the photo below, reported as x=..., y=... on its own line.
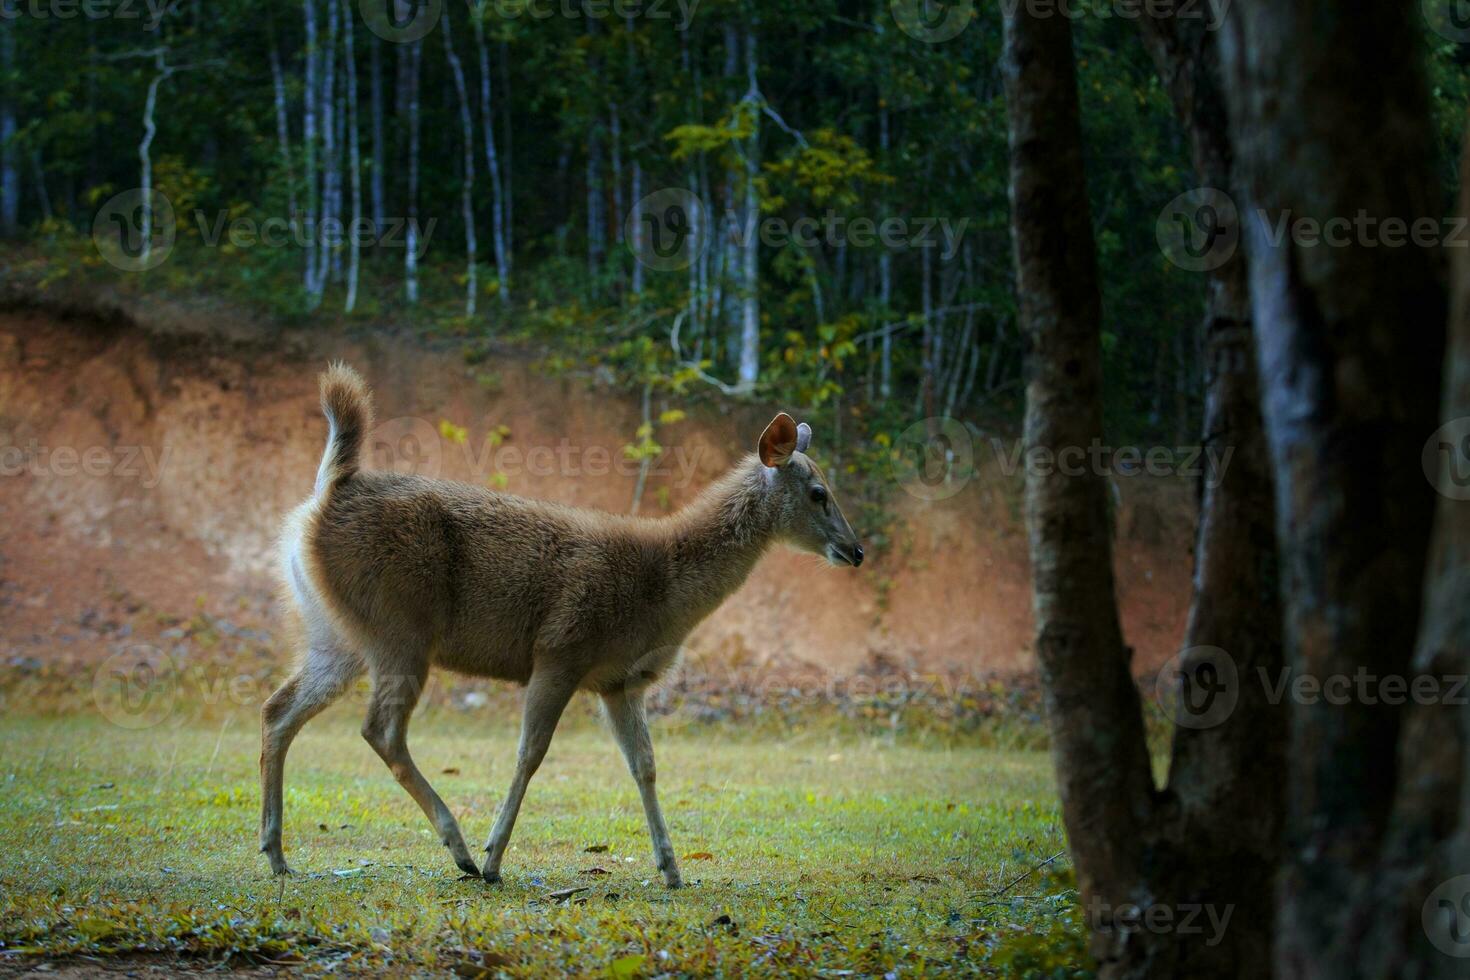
x=146, y=470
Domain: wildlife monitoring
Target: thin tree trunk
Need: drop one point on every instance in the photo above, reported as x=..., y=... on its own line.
x=145, y=147
x=326, y=84
x=375, y=182
x=750, y=304
x=1350, y=343
x=637, y=243
x=467, y=186
x=507, y=156
x=596, y=213
x=283, y=128
x=355, y=229
x=885, y=280
x=9, y=152
x=308, y=143
x=410, y=256
x=1102, y=763
x=1224, y=780
x=499, y=237
x=339, y=139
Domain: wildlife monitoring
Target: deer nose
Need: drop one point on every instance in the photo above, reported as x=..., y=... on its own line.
x=857, y=555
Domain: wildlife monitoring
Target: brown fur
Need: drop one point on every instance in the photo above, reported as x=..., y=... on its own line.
x=395, y=574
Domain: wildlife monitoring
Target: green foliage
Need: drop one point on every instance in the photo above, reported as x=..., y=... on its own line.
x=576, y=99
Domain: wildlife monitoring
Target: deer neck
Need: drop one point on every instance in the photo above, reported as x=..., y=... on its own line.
x=717, y=540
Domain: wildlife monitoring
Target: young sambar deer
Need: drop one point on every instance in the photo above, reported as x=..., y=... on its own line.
x=394, y=574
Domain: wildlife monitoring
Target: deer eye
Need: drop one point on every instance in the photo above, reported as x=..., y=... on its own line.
x=819, y=494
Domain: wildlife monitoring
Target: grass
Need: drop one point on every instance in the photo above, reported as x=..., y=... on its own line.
x=812, y=852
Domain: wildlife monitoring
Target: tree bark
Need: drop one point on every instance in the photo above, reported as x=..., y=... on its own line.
x=9, y=152
x=499, y=238
x=1429, y=843
x=1350, y=339
x=885, y=280
x=283, y=126
x=1224, y=780
x=750, y=302
x=308, y=142
x=354, y=163
x=1102, y=763
x=375, y=182
x=467, y=185
x=411, y=249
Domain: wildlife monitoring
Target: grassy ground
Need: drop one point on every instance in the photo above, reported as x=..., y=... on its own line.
x=803, y=853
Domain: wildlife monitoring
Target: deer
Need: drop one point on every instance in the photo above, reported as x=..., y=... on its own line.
x=393, y=574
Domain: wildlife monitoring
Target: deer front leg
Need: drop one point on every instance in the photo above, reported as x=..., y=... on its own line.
x=630, y=728
x=546, y=696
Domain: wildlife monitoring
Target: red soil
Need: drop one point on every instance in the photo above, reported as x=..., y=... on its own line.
x=155, y=464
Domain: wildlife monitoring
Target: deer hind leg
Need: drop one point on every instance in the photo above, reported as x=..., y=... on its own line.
x=630, y=728
x=323, y=676
x=547, y=695
x=386, y=730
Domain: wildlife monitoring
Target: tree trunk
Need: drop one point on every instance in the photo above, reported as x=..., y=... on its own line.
x=145, y=151
x=308, y=143
x=411, y=249
x=885, y=280
x=507, y=156
x=283, y=127
x=467, y=185
x=375, y=183
x=326, y=83
x=1224, y=779
x=1350, y=340
x=1102, y=762
x=9, y=152
x=498, y=237
x=750, y=303
x=1429, y=846
x=596, y=208
x=354, y=163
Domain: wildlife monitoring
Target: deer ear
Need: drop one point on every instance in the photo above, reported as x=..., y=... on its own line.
x=778, y=442
x=803, y=437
